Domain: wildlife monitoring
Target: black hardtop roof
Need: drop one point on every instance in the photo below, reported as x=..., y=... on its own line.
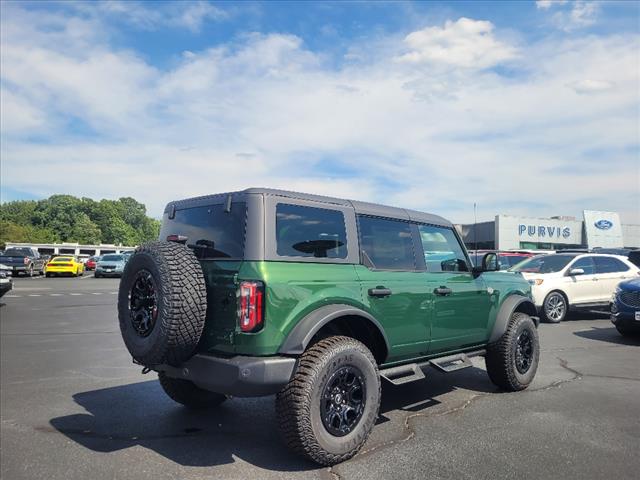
x=364, y=208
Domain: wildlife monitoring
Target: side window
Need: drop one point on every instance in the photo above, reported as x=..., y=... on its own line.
x=386, y=244
x=609, y=265
x=310, y=232
x=442, y=250
x=585, y=263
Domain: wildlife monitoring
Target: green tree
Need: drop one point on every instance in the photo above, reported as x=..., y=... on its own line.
x=85, y=231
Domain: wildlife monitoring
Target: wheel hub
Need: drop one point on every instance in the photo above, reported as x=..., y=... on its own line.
x=555, y=307
x=143, y=303
x=524, y=351
x=343, y=401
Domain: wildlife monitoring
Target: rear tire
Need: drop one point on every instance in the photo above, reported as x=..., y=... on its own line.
x=328, y=409
x=555, y=307
x=47, y=275
x=512, y=361
x=188, y=393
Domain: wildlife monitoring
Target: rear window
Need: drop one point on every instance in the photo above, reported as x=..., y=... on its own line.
x=310, y=232
x=609, y=265
x=210, y=231
x=63, y=259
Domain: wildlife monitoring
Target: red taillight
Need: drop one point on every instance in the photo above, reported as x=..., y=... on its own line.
x=250, y=306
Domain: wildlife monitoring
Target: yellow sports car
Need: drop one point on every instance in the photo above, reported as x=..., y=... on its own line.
x=65, y=264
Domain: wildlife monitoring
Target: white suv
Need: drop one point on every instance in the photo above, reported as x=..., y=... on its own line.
x=570, y=280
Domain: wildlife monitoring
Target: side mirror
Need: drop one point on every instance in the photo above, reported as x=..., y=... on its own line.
x=576, y=271
x=490, y=262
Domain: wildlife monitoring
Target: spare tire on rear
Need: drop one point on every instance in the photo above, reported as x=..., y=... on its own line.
x=162, y=304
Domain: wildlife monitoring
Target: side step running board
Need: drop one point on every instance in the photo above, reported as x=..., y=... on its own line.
x=403, y=374
x=413, y=371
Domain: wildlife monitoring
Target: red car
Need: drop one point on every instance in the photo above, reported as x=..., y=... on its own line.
x=91, y=263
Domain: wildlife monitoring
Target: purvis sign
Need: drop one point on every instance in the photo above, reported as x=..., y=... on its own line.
x=544, y=231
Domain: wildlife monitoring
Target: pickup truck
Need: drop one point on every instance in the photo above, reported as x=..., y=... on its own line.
x=23, y=260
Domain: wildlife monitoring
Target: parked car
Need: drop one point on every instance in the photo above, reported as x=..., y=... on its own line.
x=127, y=255
x=110, y=265
x=317, y=300
x=6, y=283
x=506, y=259
x=563, y=281
x=91, y=263
x=625, y=307
x=25, y=260
x=65, y=265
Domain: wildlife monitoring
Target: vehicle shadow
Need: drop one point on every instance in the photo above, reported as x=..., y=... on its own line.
x=608, y=334
x=140, y=414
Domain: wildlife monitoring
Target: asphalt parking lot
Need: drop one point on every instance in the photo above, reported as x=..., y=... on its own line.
x=73, y=406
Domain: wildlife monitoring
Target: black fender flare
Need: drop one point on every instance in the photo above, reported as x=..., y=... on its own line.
x=300, y=336
x=509, y=306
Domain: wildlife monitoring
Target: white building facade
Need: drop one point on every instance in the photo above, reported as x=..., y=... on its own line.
x=510, y=232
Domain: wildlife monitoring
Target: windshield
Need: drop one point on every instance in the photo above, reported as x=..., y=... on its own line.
x=543, y=264
x=112, y=258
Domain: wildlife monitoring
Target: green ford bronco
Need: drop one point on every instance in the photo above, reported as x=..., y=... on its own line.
x=316, y=300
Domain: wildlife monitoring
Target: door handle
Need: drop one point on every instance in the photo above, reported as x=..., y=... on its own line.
x=443, y=291
x=379, y=291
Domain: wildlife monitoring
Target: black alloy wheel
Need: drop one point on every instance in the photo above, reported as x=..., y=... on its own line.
x=143, y=303
x=343, y=401
x=524, y=351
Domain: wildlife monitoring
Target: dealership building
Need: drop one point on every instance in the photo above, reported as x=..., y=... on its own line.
x=509, y=232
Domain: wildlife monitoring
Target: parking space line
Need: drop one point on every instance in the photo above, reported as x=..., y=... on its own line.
x=76, y=294
x=56, y=294
x=34, y=295
x=13, y=296
x=96, y=293
x=84, y=278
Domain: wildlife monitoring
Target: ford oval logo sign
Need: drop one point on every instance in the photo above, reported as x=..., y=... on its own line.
x=603, y=224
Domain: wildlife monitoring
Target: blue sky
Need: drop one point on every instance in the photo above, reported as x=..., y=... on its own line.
x=523, y=107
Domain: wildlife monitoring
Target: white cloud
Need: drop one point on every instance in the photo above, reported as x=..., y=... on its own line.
x=547, y=4
x=264, y=110
x=464, y=43
x=587, y=86
x=573, y=16
x=189, y=14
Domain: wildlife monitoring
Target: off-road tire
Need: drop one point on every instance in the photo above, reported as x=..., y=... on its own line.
x=181, y=300
x=548, y=299
x=501, y=355
x=188, y=393
x=298, y=404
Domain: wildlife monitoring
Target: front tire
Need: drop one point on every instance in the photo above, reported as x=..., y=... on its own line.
x=512, y=361
x=328, y=409
x=188, y=393
x=555, y=307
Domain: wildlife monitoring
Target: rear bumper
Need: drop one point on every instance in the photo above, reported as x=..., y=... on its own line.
x=238, y=376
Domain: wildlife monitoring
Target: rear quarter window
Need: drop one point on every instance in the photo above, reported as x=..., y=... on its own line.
x=210, y=231
x=310, y=232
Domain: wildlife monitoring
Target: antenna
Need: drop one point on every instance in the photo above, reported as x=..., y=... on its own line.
x=475, y=231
